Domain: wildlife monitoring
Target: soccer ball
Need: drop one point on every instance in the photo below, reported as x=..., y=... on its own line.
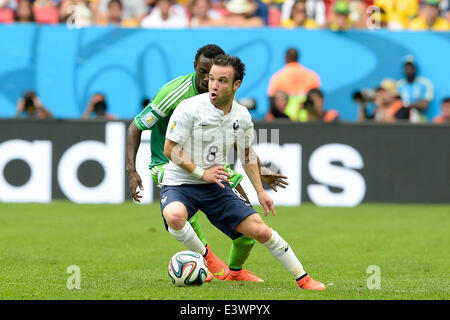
x=187, y=268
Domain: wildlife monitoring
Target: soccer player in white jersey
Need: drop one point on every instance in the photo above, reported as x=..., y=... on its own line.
x=201, y=131
x=155, y=117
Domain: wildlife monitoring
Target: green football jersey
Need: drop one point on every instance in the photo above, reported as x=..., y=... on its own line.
x=156, y=115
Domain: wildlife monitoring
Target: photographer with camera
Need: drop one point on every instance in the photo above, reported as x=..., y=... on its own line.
x=97, y=108
x=280, y=102
x=313, y=109
x=30, y=106
x=388, y=105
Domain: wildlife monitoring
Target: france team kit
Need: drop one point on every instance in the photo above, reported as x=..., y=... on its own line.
x=206, y=136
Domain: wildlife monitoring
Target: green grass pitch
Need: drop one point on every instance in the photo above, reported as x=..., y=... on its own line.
x=123, y=252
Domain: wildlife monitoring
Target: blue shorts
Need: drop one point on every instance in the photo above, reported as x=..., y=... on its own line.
x=224, y=208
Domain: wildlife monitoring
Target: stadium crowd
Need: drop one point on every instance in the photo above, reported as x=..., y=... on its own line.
x=295, y=91
x=337, y=15
x=294, y=94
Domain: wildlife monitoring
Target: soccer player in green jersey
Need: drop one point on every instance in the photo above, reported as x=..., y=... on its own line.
x=156, y=117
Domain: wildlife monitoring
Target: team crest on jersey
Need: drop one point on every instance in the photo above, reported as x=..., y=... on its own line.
x=235, y=126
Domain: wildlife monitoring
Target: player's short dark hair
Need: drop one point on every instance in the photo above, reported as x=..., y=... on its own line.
x=446, y=100
x=209, y=51
x=226, y=60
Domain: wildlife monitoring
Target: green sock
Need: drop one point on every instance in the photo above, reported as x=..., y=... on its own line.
x=197, y=228
x=240, y=250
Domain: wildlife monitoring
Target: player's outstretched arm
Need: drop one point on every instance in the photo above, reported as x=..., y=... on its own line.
x=133, y=142
x=273, y=180
x=251, y=168
x=175, y=153
x=270, y=178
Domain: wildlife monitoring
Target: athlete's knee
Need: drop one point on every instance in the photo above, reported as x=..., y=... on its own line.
x=255, y=228
x=175, y=215
x=263, y=233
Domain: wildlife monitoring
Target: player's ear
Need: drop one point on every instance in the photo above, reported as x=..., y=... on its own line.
x=237, y=84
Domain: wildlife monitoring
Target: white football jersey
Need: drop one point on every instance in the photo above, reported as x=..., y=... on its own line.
x=206, y=135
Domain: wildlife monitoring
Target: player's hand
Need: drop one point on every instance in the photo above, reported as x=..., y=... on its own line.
x=215, y=174
x=266, y=202
x=273, y=180
x=135, y=181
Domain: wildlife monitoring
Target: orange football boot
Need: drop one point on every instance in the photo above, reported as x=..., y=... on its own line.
x=243, y=275
x=309, y=283
x=209, y=277
x=217, y=267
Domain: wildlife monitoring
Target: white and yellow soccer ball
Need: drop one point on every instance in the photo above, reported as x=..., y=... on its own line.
x=187, y=268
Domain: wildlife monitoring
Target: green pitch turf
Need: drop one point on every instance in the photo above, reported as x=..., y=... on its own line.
x=123, y=252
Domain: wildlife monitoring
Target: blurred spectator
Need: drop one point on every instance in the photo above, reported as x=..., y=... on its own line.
x=150, y=4
x=399, y=12
x=115, y=16
x=7, y=9
x=261, y=9
x=46, y=3
x=30, y=106
x=203, y=15
x=315, y=9
x=242, y=14
x=221, y=7
x=340, y=18
x=97, y=108
x=76, y=13
x=114, y=13
x=299, y=18
x=46, y=11
x=280, y=102
x=9, y=4
x=295, y=80
x=358, y=13
x=430, y=18
x=388, y=106
x=444, y=117
x=275, y=3
x=445, y=7
x=270, y=11
x=416, y=92
x=166, y=14
x=313, y=108
x=24, y=12
x=132, y=11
